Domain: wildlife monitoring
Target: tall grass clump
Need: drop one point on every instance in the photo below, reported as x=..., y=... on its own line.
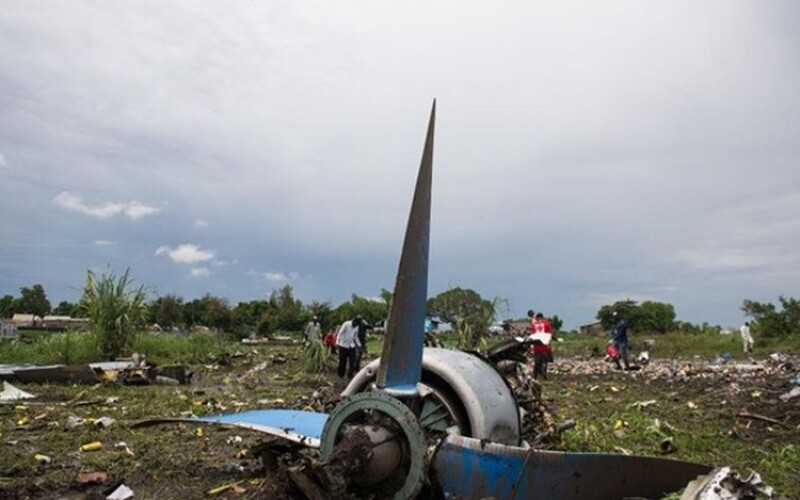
x=315, y=357
x=116, y=309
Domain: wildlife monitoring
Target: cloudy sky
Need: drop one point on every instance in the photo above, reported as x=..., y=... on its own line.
x=585, y=153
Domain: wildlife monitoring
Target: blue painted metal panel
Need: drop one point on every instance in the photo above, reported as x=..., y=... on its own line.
x=470, y=468
x=300, y=426
x=401, y=360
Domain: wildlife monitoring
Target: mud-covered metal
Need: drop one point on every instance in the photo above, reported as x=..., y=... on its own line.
x=405, y=331
x=376, y=408
x=468, y=382
x=470, y=468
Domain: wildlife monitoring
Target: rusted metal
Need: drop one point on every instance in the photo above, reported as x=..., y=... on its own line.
x=401, y=360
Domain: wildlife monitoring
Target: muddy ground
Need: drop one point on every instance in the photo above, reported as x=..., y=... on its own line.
x=719, y=414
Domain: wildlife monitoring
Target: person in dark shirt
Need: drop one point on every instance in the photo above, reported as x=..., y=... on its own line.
x=621, y=340
x=363, y=326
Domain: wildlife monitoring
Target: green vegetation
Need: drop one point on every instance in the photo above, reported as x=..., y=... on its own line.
x=195, y=348
x=771, y=322
x=52, y=348
x=117, y=310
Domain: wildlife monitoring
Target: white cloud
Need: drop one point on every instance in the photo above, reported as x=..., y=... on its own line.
x=133, y=209
x=3, y=162
x=186, y=253
x=200, y=223
x=200, y=272
x=104, y=243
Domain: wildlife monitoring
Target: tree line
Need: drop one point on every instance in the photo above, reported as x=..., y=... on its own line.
x=282, y=311
x=279, y=311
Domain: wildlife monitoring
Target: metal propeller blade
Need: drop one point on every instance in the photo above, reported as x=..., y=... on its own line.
x=401, y=361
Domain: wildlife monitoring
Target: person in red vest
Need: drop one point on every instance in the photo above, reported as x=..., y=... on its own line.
x=541, y=335
x=330, y=341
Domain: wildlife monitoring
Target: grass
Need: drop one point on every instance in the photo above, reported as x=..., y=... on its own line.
x=82, y=347
x=175, y=455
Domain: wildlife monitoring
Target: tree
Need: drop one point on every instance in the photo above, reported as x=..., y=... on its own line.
x=210, y=311
x=33, y=301
x=246, y=316
x=166, y=311
x=6, y=306
x=556, y=323
x=650, y=316
x=65, y=308
x=116, y=308
x=470, y=314
x=458, y=303
x=771, y=322
x=372, y=310
x=287, y=312
x=625, y=308
x=656, y=317
x=322, y=310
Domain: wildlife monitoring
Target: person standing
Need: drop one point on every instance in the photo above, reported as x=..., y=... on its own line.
x=747, y=337
x=542, y=334
x=347, y=342
x=330, y=341
x=363, y=326
x=312, y=331
x=621, y=340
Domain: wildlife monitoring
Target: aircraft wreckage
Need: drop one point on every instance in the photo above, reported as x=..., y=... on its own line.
x=443, y=419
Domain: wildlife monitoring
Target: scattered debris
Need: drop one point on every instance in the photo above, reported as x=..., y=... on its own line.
x=11, y=393
x=73, y=422
x=754, y=416
x=668, y=446
x=222, y=489
x=122, y=492
x=42, y=459
x=93, y=446
x=726, y=484
x=94, y=477
x=642, y=404
x=795, y=392
x=104, y=422
x=122, y=445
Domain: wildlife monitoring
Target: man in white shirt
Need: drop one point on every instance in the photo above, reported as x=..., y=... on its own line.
x=747, y=338
x=347, y=342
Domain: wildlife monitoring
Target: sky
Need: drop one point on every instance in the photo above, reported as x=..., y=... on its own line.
x=585, y=152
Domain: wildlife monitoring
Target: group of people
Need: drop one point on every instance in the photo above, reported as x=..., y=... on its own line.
x=349, y=342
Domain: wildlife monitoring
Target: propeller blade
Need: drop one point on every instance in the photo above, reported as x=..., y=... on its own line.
x=401, y=361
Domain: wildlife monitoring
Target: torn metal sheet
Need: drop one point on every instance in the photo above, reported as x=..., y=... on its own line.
x=78, y=374
x=470, y=468
x=11, y=393
x=303, y=427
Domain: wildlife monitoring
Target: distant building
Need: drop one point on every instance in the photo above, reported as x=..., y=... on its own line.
x=25, y=320
x=593, y=328
x=49, y=322
x=64, y=323
x=8, y=330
